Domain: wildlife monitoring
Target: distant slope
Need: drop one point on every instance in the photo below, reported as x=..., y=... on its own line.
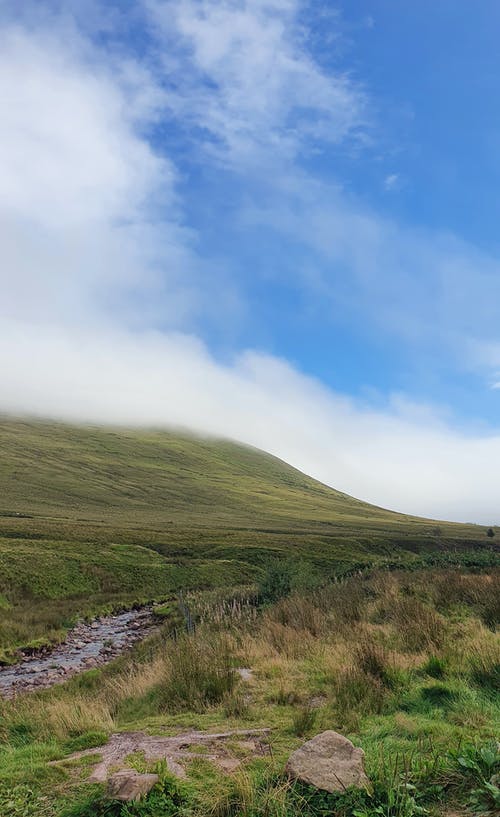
x=90, y=516
x=66, y=469
x=151, y=480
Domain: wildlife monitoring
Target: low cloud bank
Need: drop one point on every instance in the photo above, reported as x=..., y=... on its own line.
x=405, y=457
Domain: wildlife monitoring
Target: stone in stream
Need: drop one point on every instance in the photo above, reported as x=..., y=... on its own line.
x=128, y=785
x=330, y=762
x=87, y=645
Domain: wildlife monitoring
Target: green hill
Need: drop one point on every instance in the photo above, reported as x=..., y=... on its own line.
x=91, y=517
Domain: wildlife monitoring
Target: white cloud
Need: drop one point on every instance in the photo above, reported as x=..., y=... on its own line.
x=245, y=76
x=86, y=206
x=247, y=80
x=403, y=457
x=392, y=181
x=427, y=288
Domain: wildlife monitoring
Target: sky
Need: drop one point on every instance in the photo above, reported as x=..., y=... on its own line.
x=270, y=220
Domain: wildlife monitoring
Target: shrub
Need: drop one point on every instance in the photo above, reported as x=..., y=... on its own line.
x=276, y=583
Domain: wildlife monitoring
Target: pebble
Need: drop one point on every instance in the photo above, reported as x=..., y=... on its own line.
x=87, y=646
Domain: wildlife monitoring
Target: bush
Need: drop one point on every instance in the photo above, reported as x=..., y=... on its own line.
x=276, y=583
x=285, y=576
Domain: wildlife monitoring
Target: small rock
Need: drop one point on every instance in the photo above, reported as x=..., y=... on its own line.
x=330, y=762
x=129, y=785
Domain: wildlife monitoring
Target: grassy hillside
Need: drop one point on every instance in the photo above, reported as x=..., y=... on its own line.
x=93, y=517
x=406, y=662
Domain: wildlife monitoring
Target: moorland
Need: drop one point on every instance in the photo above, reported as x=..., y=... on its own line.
x=308, y=609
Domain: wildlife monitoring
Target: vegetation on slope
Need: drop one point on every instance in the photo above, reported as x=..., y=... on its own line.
x=405, y=663
x=94, y=519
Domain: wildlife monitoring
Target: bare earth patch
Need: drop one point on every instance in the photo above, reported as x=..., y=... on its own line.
x=176, y=751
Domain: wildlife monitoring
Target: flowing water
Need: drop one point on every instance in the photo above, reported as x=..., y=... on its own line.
x=88, y=645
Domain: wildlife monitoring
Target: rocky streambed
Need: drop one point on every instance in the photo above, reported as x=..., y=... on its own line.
x=88, y=645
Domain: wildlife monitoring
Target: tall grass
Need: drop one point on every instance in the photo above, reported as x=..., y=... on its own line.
x=485, y=667
x=200, y=673
x=418, y=626
x=397, y=669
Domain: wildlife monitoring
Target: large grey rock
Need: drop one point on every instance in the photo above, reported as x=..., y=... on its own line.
x=330, y=762
x=129, y=785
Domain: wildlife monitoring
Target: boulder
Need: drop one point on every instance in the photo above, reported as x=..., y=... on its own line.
x=129, y=785
x=330, y=762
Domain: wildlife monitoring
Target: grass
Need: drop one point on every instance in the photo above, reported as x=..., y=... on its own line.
x=200, y=673
x=380, y=625
x=426, y=716
x=98, y=519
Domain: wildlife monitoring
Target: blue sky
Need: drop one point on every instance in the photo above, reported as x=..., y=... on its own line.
x=270, y=219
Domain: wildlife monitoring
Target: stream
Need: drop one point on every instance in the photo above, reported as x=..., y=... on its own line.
x=88, y=645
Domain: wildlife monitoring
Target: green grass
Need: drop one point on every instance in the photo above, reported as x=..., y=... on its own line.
x=94, y=519
x=404, y=661
x=317, y=664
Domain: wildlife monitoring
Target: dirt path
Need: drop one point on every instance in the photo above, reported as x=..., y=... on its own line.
x=88, y=645
x=176, y=750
